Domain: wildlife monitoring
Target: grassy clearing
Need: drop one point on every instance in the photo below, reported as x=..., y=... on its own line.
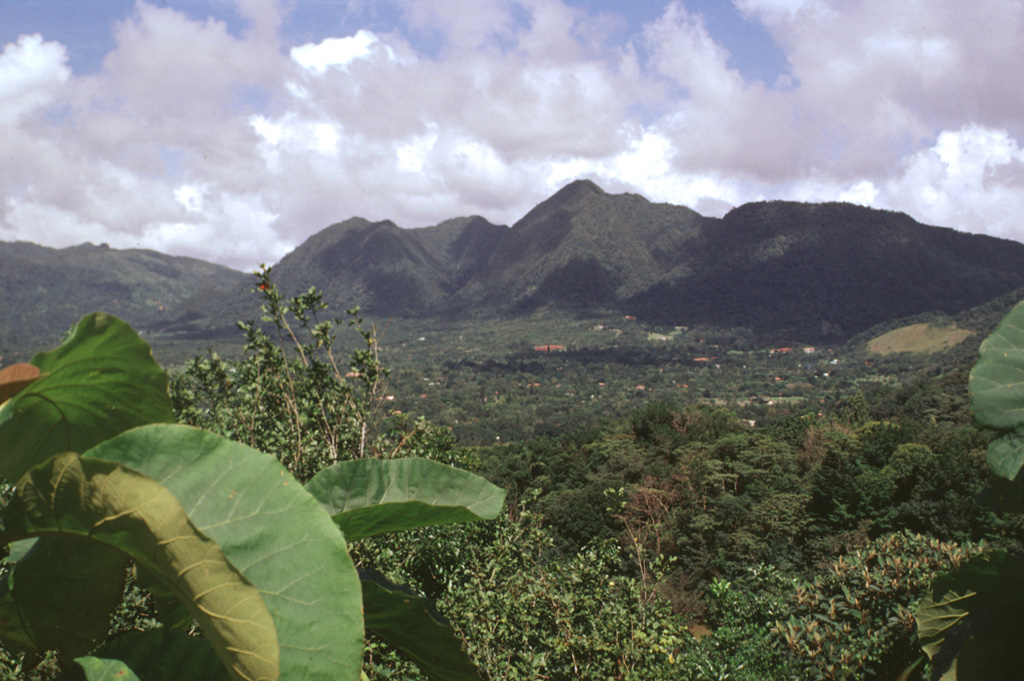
x=918, y=338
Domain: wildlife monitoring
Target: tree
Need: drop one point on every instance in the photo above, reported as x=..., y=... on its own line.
x=219, y=533
x=970, y=623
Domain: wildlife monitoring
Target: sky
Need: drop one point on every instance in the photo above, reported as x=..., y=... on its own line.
x=232, y=130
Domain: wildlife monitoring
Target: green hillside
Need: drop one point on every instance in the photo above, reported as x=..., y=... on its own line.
x=918, y=338
x=786, y=272
x=45, y=290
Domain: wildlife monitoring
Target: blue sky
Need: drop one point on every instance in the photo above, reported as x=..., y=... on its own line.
x=233, y=129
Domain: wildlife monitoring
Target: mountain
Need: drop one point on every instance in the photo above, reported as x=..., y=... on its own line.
x=583, y=250
x=785, y=270
x=46, y=290
x=386, y=270
x=828, y=271
x=383, y=268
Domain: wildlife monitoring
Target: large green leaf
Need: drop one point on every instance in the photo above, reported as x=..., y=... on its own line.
x=61, y=595
x=272, y=529
x=1003, y=495
x=170, y=611
x=370, y=496
x=411, y=626
x=108, y=503
x=970, y=624
x=997, y=393
x=101, y=381
x=1005, y=455
x=101, y=669
x=157, y=655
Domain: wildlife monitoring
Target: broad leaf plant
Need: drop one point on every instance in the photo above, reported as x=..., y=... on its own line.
x=230, y=544
x=970, y=623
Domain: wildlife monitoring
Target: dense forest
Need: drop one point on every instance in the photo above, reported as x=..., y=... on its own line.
x=682, y=503
x=761, y=515
x=786, y=272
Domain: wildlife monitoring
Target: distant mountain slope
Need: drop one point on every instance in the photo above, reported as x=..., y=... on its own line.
x=829, y=271
x=378, y=265
x=45, y=290
x=466, y=243
x=810, y=272
x=582, y=249
x=384, y=269
x=806, y=272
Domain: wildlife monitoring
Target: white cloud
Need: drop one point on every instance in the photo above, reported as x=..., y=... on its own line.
x=337, y=52
x=238, y=227
x=251, y=144
x=413, y=153
x=240, y=222
x=777, y=11
x=49, y=225
x=461, y=28
x=648, y=166
x=717, y=122
x=880, y=77
x=294, y=135
x=863, y=192
x=31, y=73
x=191, y=197
x=971, y=179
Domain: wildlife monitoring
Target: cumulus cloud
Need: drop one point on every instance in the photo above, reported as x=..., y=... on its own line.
x=31, y=73
x=970, y=178
x=337, y=52
x=239, y=220
x=461, y=30
x=716, y=120
x=882, y=76
x=218, y=138
x=102, y=156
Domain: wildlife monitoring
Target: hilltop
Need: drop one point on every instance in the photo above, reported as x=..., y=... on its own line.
x=46, y=290
x=815, y=272
x=784, y=270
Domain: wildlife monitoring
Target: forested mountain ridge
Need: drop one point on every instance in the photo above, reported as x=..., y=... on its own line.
x=385, y=269
x=583, y=250
x=405, y=272
x=44, y=291
x=812, y=272
x=784, y=270
x=829, y=271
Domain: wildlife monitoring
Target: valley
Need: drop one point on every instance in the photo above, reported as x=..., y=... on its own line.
x=746, y=442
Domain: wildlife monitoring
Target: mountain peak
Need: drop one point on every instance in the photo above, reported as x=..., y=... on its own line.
x=792, y=270
x=567, y=197
x=576, y=190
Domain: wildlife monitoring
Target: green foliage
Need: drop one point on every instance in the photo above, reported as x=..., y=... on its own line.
x=114, y=506
x=639, y=531
x=295, y=397
x=208, y=523
x=162, y=654
x=575, y=618
x=856, y=618
x=46, y=289
x=970, y=622
x=976, y=607
x=366, y=497
x=721, y=498
x=406, y=622
x=102, y=381
x=742, y=644
x=997, y=393
x=300, y=567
